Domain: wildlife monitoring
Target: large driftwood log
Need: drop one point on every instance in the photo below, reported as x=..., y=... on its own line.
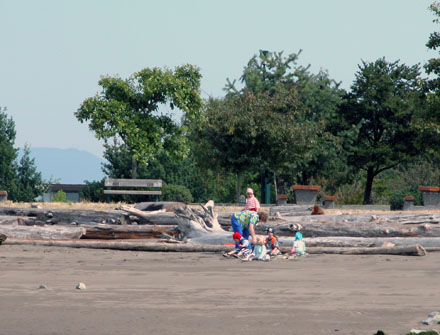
x=127, y=231
x=123, y=245
x=409, y=250
x=48, y=232
x=344, y=241
x=413, y=250
x=40, y=216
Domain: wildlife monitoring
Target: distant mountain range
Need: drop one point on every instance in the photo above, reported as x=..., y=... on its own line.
x=67, y=166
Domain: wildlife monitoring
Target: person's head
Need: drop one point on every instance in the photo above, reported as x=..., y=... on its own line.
x=260, y=239
x=269, y=231
x=298, y=236
x=236, y=236
x=262, y=216
x=249, y=192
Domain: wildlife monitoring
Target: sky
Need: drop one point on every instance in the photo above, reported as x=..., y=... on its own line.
x=53, y=52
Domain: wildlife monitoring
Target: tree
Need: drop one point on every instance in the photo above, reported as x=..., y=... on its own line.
x=428, y=122
x=376, y=118
x=128, y=110
x=28, y=183
x=281, y=86
x=8, y=153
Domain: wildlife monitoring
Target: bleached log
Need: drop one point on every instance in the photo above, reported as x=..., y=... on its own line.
x=345, y=241
x=123, y=245
x=409, y=250
x=48, y=232
x=414, y=250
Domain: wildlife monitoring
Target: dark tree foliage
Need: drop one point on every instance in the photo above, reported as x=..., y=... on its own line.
x=376, y=118
x=8, y=154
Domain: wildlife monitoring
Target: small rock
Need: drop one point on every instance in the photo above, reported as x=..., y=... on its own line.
x=374, y=218
x=35, y=206
x=42, y=287
x=433, y=317
x=81, y=286
x=49, y=214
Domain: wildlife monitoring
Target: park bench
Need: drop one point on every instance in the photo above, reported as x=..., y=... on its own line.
x=131, y=185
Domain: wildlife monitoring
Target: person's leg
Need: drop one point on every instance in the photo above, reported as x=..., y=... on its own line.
x=236, y=227
x=245, y=235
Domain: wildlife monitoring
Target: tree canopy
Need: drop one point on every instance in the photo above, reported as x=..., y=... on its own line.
x=376, y=118
x=128, y=109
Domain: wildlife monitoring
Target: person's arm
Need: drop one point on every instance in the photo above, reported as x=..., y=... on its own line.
x=252, y=231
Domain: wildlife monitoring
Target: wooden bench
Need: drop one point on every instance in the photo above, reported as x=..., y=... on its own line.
x=111, y=183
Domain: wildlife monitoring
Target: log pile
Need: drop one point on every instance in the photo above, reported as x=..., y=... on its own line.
x=198, y=229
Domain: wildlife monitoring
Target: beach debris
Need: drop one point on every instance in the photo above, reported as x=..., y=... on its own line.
x=2, y=238
x=42, y=287
x=81, y=286
x=433, y=317
x=317, y=210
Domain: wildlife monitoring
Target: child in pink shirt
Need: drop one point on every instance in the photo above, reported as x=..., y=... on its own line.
x=252, y=203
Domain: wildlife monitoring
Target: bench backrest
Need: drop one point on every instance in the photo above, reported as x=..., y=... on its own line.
x=111, y=182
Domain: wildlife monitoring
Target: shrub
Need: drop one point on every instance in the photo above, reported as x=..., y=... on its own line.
x=171, y=192
x=60, y=197
x=93, y=191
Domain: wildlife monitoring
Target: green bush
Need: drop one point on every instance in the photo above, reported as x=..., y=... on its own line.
x=93, y=191
x=60, y=197
x=171, y=192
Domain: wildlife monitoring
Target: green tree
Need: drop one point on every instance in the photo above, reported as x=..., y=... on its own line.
x=277, y=122
x=128, y=110
x=8, y=153
x=376, y=118
x=28, y=183
x=428, y=122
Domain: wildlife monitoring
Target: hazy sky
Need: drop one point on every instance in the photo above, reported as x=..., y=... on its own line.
x=54, y=52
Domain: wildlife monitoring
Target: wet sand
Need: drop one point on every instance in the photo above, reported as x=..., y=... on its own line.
x=192, y=293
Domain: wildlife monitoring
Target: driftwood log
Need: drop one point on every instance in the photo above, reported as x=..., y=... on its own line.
x=127, y=232
x=414, y=250
x=48, y=232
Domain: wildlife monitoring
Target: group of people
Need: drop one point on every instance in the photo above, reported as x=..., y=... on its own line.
x=260, y=248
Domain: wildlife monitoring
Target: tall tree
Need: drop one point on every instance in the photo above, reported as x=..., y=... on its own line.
x=376, y=118
x=28, y=183
x=272, y=75
x=8, y=153
x=429, y=121
x=129, y=109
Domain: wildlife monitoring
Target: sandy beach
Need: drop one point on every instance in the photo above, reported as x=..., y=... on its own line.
x=131, y=292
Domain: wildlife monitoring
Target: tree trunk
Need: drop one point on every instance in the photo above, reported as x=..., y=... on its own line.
x=368, y=186
x=134, y=167
x=237, y=194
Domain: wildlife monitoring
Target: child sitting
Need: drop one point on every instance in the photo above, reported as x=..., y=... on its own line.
x=259, y=253
x=241, y=246
x=271, y=243
x=299, y=246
